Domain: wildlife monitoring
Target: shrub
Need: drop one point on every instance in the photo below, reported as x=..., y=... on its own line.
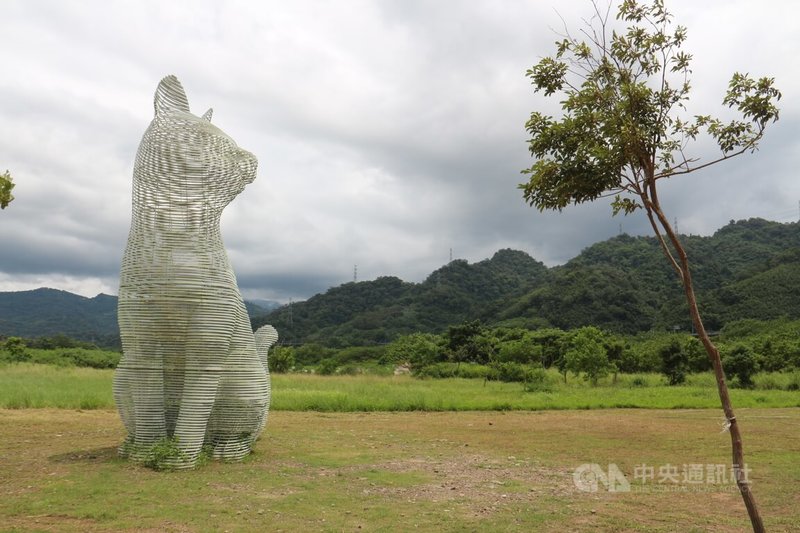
x=311, y=354
x=537, y=380
x=17, y=351
x=519, y=351
x=696, y=356
x=674, y=362
x=416, y=349
x=742, y=363
x=350, y=370
x=453, y=370
x=507, y=372
x=164, y=454
x=327, y=367
x=353, y=354
x=91, y=358
x=281, y=359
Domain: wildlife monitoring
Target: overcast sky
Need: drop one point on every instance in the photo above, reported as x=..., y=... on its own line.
x=387, y=132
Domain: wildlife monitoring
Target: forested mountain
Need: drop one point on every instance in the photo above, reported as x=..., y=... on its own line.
x=376, y=311
x=50, y=312
x=747, y=269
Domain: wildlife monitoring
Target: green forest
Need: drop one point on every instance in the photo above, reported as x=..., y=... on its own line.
x=746, y=270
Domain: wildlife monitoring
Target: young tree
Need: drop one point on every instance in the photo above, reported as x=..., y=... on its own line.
x=621, y=133
x=417, y=349
x=470, y=342
x=6, y=185
x=586, y=352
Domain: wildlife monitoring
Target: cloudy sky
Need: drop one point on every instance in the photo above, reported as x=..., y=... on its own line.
x=388, y=132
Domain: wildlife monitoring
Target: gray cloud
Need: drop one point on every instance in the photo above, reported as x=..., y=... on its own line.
x=387, y=132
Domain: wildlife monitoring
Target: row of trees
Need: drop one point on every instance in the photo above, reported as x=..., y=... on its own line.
x=590, y=352
x=748, y=346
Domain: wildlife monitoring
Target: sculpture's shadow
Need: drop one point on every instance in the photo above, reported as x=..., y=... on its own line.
x=95, y=456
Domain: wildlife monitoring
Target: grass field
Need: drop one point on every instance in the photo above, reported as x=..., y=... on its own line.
x=447, y=471
x=42, y=386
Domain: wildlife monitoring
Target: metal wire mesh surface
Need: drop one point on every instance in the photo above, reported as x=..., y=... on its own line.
x=190, y=371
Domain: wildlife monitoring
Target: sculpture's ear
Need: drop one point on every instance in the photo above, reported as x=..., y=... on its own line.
x=207, y=115
x=170, y=95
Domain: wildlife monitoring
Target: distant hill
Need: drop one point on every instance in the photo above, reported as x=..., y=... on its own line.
x=49, y=312
x=747, y=269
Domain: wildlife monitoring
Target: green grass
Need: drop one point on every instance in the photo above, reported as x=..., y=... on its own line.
x=455, y=471
x=36, y=386
x=369, y=393
x=41, y=386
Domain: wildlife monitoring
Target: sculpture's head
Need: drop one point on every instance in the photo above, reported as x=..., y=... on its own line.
x=187, y=161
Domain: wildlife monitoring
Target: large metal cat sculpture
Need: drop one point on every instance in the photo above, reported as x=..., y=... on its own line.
x=190, y=374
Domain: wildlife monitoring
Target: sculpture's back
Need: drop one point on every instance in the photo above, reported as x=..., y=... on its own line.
x=190, y=371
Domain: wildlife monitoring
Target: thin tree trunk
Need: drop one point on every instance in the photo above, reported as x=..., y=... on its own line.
x=739, y=466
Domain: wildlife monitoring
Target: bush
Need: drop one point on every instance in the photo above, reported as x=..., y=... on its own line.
x=360, y=353
x=537, y=380
x=519, y=351
x=507, y=372
x=350, y=370
x=327, y=367
x=742, y=363
x=453, y=370
x=91, y=358
x=311, y=354
x=164, y=454
x=674, y=362
x=416, y=349
x=697, y=357
x=17, y=351
x=281, y=359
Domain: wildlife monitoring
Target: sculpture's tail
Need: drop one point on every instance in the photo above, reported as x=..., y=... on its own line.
x=266, y=336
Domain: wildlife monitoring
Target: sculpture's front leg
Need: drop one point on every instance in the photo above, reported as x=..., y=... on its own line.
x=139, y=381
x=208, y=343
